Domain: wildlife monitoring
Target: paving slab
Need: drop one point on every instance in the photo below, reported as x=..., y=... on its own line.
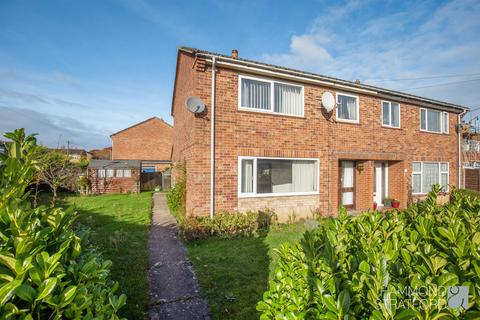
x=174, y=289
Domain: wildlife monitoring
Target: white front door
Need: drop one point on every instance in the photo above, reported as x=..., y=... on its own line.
x=380, y=191
x=347, y=184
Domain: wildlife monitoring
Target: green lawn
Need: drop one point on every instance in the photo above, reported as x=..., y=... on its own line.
x=120, y=225
x=234, y=273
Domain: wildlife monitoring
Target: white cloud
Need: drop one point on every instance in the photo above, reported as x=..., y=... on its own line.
x=84, y=112
x=306, y=50
x=346, y=42
x=52, y=131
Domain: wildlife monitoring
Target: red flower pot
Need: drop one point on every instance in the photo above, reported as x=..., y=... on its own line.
x=396, y=204
x=374, y=206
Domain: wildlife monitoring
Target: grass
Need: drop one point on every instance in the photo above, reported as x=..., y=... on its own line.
x=120, y=225
x=234, y=273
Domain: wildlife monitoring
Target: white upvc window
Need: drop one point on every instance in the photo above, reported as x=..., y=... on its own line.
x=123, y=173
x=348, y=108
x=265, y=176
x=263, y=95
x=390, y=114
x=101, y=173
x=426, y=174
x=110, y=173
x=434, y=121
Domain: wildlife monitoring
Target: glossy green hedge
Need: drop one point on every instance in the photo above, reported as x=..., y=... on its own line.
x=47, y=269
x=394, y=265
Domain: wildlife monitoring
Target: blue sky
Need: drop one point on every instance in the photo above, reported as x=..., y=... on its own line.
x=81, y=70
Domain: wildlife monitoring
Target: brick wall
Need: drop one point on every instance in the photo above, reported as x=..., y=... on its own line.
x=114, y=184
x=149, y=140
x=191, y=138
x=244, y=133
x=285, y=207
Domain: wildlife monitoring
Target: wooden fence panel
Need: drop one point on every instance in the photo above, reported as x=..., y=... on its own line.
x=472, y=179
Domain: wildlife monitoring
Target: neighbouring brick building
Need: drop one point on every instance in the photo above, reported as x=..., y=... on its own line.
x=471, y=160
x=275, y=145
x=114, y=176
x=149, y=141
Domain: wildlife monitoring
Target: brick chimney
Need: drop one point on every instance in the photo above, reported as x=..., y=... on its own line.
x=235, y=54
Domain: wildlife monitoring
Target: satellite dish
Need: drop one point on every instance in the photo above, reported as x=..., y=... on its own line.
x=195, y=105
x=328, y=101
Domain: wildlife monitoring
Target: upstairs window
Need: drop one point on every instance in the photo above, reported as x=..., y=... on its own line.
x=433, y=121
x=270, y=96
x=391, y=114
x=347, y=108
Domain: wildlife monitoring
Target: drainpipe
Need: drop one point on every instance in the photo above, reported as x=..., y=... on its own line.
x=459, y=165
x=212, y=145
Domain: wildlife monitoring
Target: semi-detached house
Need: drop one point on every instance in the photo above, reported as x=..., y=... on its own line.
x=265, y=141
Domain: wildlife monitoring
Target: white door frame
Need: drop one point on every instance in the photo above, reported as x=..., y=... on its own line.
x=381, y=181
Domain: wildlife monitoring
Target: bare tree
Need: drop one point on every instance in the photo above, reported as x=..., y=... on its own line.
x=56, y=171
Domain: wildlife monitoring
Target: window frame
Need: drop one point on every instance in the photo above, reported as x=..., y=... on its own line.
x=123, y=171
x=104, y=175
x=357, y=105
x=272, y=96
x=443, y=114
x=107, y=173
x=254, y=194
x=390, y=118
x=440, y=172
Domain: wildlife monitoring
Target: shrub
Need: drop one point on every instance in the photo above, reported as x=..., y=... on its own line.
x=176, y=196
x=47, y=270
x=468, y=192
x=226, y=225
x=393, y=265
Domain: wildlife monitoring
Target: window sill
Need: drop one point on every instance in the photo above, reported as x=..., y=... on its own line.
x=271, y=195
x=390, y=127
x=269, y=112
x=441, y=193
x=347, y=121
x=433, y=132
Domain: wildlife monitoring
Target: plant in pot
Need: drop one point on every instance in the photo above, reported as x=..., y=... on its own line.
x=387, y=202
x=395, y=203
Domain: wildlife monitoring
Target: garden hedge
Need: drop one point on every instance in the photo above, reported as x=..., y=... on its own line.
x=382, y=265
x=47, y=268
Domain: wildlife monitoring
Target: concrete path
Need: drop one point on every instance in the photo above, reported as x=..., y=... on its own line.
x=174, y=289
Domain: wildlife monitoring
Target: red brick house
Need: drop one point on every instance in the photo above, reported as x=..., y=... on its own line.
x=265, y=140
x=149, y=141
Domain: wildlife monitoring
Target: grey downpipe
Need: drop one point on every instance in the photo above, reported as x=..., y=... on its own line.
x=459, y=164
x=212, y=145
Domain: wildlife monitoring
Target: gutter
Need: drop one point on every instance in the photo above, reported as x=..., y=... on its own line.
x=212, y=145
x=327, y=81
